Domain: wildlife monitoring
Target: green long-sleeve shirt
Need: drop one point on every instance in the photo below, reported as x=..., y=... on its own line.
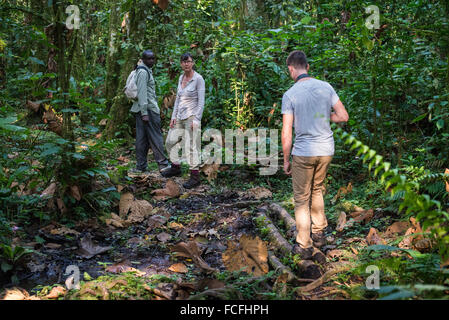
x=146, y=92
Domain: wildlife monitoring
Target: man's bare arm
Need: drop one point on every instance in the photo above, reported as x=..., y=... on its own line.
x=287, y=128
x=340, y=114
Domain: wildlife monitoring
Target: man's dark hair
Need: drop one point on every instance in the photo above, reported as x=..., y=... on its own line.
x=297, y=59
x=186, y=56
x=147, y=53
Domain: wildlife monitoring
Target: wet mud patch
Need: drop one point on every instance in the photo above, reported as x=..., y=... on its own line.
x=210, y=220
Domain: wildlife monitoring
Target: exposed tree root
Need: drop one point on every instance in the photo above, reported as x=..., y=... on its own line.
x=273, y=233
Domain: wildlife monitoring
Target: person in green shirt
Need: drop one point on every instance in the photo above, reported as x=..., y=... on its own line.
x=148, y=119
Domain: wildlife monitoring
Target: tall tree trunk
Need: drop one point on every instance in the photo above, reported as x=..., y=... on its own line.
x=63, y=68
x=37, y=7
x=243, y=14
x=120, y=104
x=113, y=54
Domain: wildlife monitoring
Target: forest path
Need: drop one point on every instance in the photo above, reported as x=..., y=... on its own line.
x=186, y=243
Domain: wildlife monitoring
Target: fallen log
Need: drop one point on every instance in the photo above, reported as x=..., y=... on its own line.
x=309, y=269
x=241, y=204
x=283, y=215
x=273, y=233
x=279, y=266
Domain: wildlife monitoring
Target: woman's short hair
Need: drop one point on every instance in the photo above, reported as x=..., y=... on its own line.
x=186, y=56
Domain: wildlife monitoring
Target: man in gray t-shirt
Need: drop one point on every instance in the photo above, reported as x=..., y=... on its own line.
x=308, y=105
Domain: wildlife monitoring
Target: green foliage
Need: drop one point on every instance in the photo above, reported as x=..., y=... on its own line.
x=12, y=256
x=426, y=209
x=408, y=274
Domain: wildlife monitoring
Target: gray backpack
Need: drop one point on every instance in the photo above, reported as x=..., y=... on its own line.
x=131, y=83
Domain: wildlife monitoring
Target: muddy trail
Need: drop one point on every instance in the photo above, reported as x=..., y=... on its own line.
x=199, y=244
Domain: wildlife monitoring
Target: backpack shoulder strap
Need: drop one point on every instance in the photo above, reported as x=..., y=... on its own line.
x=140, y=67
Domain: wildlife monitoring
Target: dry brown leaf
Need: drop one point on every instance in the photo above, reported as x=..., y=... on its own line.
x=373, y=238
x=171, y=190
x=64, y=231
x=348, y=189
x=126, y=200
x=249, y=255
x=140, y=210
x=116, y=221
x=406, y=243
x=15, y=294
x=75, y=192
x=179, y=268
x=33, y=106
x=399, y=227
x=120, y=268
x=191, y=250
x=365, y=216
x=211, y=171
x=175, y=225
x=342, y=191
x=341, y=222
x=88, y=248
x=123, y=159
x=54, y=122
x=61, y=206
x=164, y=237
x=418, y=229
x=260, y=193
x=56, y=292
x=335, y=253
x=355, y=214
x=413, y=236
x=156, y=221
x=50, y=191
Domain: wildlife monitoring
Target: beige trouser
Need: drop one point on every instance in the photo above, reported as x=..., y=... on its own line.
x=182, y=137
x=308, y=188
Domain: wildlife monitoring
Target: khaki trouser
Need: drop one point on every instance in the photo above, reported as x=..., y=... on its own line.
x=308, y=188
x=183, y=137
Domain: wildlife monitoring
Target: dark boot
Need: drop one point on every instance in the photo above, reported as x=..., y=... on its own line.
x=194, y=180
x=319, y=257
x=318, y=239
x=304, y=254
x=173, y=170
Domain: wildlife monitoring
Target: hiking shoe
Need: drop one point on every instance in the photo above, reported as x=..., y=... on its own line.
x=171, y=171
x=305, y=254
x=194, y=180
x=318, y=239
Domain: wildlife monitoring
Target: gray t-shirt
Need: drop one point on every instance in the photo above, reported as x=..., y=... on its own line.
x=311, y=102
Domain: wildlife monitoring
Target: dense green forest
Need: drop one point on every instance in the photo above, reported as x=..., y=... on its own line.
x=68, y=142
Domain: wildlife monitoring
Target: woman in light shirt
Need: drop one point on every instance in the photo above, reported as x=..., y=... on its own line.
x=186, y=121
